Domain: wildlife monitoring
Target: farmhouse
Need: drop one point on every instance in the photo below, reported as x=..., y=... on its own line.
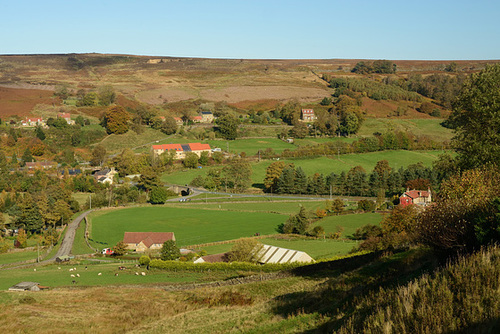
x=221, y=257
x=207, y=117
x=105, y=175
x=33, y=121
x=307, y=115
x=178, y=121
x=182, y=149
x=34, y=165
x=196, y=119
x=419, y=197
x=142, y=241
x=273, y=254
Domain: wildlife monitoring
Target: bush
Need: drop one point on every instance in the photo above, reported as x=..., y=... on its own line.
x=144, y=260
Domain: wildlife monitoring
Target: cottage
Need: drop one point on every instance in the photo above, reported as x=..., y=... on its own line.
x=307, y=115
x=182, y=149
x=142, y=241
x=273, y=254
x=207, y=117
x=196, y=119
x=34, y=165
x=33, y=121
x=105, y=175
x=418, y=197
x=178, y=121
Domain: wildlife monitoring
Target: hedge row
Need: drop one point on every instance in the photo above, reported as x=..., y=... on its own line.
x=244, y=266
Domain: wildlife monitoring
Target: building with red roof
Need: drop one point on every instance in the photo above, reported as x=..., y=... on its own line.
x=308, y=115
x=419, y=197
x=142, y=241
x=181, y=149
x=67, y=117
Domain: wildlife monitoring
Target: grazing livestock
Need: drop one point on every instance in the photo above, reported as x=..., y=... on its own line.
x=70, y=269
x=59, y=268
x=99, y=274
x=74, y=282
x=116, y=274
x=137, y=273
x=143, y=273
x=72, y=275
x=77, y=275
x=34, y=269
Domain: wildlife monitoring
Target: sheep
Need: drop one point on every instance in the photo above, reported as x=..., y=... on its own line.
x=34, y=269
x=72, y=275
x=59, y=268
x=143, y=273
x=70, y=269
x=116, y=274
x=74, y=269
x=136, y=273
x=99, y=274
x=77, y=275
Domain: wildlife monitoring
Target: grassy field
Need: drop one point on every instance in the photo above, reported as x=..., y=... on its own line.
x=324, y=165
x=13, y=257
x=79, y=245
x=429, y=127
x=349, y=222
x=191, y=226
x=53, y=277
x=285, y=208
x=117, y=143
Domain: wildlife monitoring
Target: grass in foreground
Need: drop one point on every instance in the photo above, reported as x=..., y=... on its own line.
x=356, y=295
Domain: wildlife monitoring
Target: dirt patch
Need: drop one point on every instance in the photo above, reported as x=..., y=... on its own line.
x=164, y=95
x=237, y=94
x=20, y=102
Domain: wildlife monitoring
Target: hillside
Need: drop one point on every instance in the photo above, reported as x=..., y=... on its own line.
x=152, y=80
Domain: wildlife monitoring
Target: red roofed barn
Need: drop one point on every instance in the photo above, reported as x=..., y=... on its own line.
x=141, y=241
x=419, y=197
x=181, y=149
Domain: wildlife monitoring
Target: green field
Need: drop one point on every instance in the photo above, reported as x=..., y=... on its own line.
x=191, y=226
x=349, y=222
x=324, y=165
x=117, y=143
x=53, y=277
x=21, y=256
x=428, y=127
x=285, y=208
x=79, y=245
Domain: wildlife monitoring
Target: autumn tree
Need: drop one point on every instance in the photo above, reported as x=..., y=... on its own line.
x=245, y=250
x=106, y=95
x=98, y=155
x=476, y=119
x=237, y=175
x=273, y=172
x=115, y=120
x=120, y=248
x=169, y=251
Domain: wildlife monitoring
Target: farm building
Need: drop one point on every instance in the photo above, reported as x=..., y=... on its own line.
x=33, y=121
x=207, y=117
x=182, y=149
x=142, y=241
x=26, y=286
x=307, y=115
x=105, y=175
x=221, y=257
x=419, y=197
x=273, y=254
x=38, y=165
x=178, y=121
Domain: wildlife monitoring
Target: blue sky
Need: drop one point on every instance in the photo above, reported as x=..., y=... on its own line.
x=448, y=30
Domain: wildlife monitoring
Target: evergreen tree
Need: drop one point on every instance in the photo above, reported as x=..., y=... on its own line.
x=169, y=251
x=300, y=181
x=27, y=157
x=286, y=181
x=39, y=133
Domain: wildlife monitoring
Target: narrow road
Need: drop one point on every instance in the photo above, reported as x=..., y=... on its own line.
x=69, y=238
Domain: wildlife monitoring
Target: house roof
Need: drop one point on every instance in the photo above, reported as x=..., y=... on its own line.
x=221, y=257
x=102, y=172
x=307, y=111
x=417, y=193
x=206, y=113
x=34, y=119
x=23, y=286
x=147, y=238
x=182, y=147
x=64, y=115
x=196, y=118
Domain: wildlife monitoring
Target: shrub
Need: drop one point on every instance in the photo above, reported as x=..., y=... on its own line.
x=144, y=260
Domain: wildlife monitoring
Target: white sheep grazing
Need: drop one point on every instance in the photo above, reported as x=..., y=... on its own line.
x=72, y=275
x=59, y=268
x=70, y=269
x=74, y=269
x=137, y=273
x=34, y=269
x=77, y=275
x=99, y=274
x=143, y=273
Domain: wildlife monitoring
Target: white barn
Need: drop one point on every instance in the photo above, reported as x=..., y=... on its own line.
x=273, y=254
